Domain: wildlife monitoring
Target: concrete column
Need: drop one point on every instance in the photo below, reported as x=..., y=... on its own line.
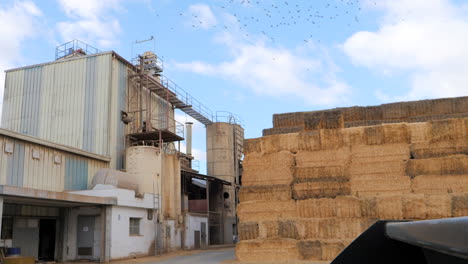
x=107, y=215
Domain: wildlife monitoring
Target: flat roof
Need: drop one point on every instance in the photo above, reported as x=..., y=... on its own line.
x=38, y=141
x=204, y=177
x=13, y=194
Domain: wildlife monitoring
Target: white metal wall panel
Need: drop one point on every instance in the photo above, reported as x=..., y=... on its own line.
x=66, y=102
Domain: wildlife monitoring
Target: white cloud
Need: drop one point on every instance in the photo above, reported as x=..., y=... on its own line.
x=17, y=23
x=427, y=39
x=276, y=71
x=90, y=21
x=201, y=16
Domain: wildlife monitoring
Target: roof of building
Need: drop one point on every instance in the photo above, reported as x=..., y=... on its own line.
x=115, y=54
x=203, y=177
x=45, y=143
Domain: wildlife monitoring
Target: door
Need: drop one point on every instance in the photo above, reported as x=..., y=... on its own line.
x=197, y=239
x=85, y=237
x=47, y=228
x=203, y=234
x=26, y=236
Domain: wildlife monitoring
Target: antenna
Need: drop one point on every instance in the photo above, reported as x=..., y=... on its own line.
x=143, y=41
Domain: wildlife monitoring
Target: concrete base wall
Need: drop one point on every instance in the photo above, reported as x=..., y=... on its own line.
x=192, y=224
x=307, y=195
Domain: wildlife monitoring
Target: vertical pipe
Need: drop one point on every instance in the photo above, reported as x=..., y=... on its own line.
x=188, y=140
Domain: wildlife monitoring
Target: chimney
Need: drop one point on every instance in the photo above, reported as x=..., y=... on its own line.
x=188, y=139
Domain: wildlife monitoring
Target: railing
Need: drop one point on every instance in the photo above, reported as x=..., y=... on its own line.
x=163, y=122
x=74, y=47
x=185, y=97
x=228, y=117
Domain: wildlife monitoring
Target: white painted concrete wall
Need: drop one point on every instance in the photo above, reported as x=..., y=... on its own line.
x=192, y=224
x=123, y=245
x=174, y=240
x=124, y=197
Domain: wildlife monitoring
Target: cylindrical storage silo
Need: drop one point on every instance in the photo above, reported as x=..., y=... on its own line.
x=144, y=164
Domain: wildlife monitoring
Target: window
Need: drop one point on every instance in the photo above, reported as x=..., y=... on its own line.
x=7, y=228
x=134, y=226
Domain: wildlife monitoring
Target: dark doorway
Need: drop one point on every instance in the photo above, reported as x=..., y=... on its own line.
x=47, y=239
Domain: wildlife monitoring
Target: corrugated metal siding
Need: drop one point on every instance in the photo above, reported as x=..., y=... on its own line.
x=71, y=172
x=64, y=102
x=119, y=103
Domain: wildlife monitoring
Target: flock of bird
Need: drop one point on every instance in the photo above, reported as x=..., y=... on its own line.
x=269, y=17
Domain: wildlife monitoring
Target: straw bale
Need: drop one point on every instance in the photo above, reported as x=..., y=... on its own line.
x=460, y=205
x=461, y=104
x=450, y=165
x=354, y=136
x=281, y=229
x=275, y=250
x=288, y=119
x=304, y=174
x=369, y=207
x=348, y=207
x=252, y=145
x=248, y=230
x=419, y=132
x=309, y=228
x=329, y=119
x=264, y=210
x=424, y=150
x=377, y=167
x=282, y=130
x=310, y=250
x=380, y=153
x=330, y=250
x=323, y=158
x=448, y=130
x=397, y=111
x=288, y=229
x=332, y=138
x=309, y=141
x=420, y=108
x=362, y=113
x=387, y=134
x=329, y=228
x=350, y=228
x=277, y=143
x=442, y=106
x=440, y=184
x=330, y=187
x=268, y=169
x=438, y=206
x=269, y=229
x=390, y=208
x=265, y=193
x=316, y=208
x=414, y=207
x=380, y=184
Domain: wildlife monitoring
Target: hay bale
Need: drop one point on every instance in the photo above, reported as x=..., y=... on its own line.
x=266, y=210
x=248, y=230
x=348, y=207
x=269, y=229
x=268, y=169
x=448, y=130
x=265, y=193
x=390, y=208
x=310, y=250
x=350, y=228
x=414, y=207
x=288, y=229
x=288, y=120
x=377, y=167
x=304, y=174
x=386, y=134
x=332, y=139
x=379, y=184
x=278, y=143
x=316, y=208
x=329, y=228
x=321, y=188
x=309, y=229
x=397, y=111
x=450, y=165
x=419, y=132
x=438, y=206
x=330, y=250
x=281, y=131
x=460, y=104
x=425, y=150
x=275, y=250
x=381, y=153
x=460, y=205
x=309, y=141
x=324, y=158
x=252, y=145
x=369, y=207
x=440, y=184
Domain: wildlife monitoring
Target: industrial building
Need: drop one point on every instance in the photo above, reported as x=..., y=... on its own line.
x=91, y=167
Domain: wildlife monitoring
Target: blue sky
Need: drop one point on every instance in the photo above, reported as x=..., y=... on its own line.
x=257, y=58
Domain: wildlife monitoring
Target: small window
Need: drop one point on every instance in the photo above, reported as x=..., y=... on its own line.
x=134, y=226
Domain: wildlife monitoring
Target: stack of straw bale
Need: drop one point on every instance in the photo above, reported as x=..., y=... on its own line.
x=307, y=195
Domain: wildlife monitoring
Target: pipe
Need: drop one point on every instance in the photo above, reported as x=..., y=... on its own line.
x=189, y=138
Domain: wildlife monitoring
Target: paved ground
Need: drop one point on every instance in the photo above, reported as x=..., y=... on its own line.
x=214, y=256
